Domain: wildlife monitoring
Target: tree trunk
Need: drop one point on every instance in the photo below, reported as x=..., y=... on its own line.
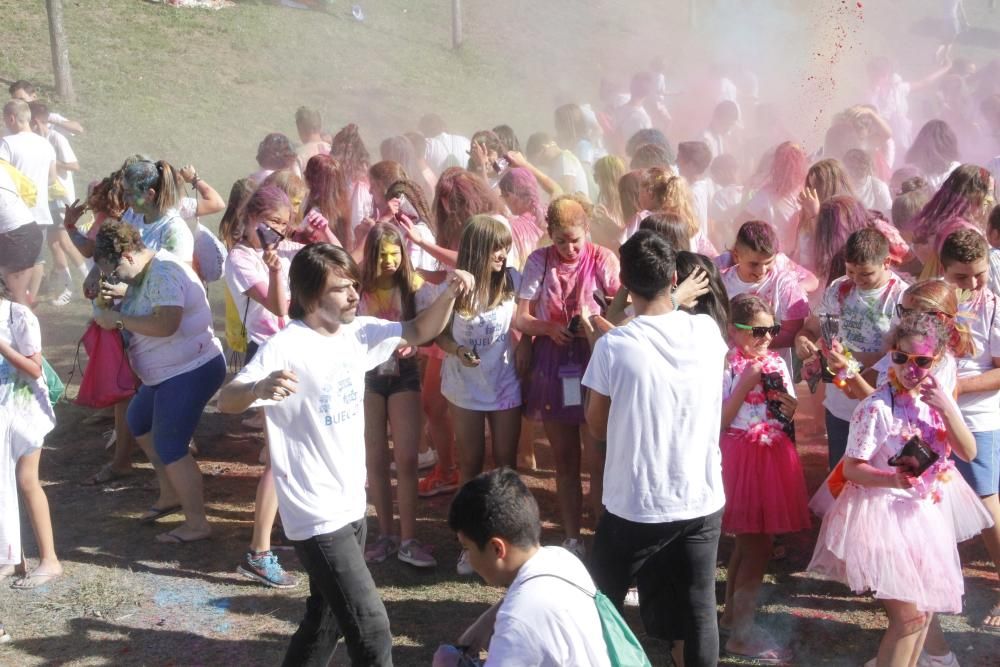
x=60, y=51
x=456, y=23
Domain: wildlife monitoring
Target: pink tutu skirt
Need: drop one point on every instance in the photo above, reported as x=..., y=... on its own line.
x=543, y=399
x=959, y=503
x=896, y=546
x=764, y=484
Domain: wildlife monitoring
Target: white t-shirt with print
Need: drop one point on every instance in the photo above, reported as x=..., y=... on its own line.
x=33, y=156
x=64, y=153
x=170, y=233
x=493, y=384
x=547, y=622
x=316, y=436
x=14, y=212
x=245, y=268
x=865, y=319
x=169, y=281
x=981, y=409
x=663, y=374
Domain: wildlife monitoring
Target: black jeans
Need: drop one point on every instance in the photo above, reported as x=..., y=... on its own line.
x=343, y=600
x=673, y=565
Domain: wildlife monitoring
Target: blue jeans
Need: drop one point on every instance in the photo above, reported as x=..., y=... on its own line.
x=343, y=600
x=983, y=472
x=673, y=565
x=837, y=431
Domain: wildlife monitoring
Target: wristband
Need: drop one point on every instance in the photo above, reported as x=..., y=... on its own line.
x=195, y=180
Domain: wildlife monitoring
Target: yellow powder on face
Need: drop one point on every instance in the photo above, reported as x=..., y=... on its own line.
x=387, y=249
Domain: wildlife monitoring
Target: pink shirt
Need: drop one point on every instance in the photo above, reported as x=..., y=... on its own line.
x=560, y=290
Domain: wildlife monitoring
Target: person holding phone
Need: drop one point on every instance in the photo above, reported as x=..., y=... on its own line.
x=257, y=277
x=891, y=530
x=761, y=473
x=557, y=290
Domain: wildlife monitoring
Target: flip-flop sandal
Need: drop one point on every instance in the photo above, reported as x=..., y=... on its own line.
x=769, y=656
x=992, y=613
x=105, y=475
x=174, y=538
x=153, y=514
x=33, y=581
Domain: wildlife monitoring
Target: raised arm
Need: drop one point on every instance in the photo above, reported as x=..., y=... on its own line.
x=426, y=326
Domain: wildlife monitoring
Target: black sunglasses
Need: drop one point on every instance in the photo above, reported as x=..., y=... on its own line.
x=919, y=360
x=760, y=332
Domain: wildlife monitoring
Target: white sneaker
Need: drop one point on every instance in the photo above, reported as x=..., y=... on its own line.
x=927, y=660
x=632, y=597
x=575, y=547
x=425, y=460
x=464, y=567
x=63, y=299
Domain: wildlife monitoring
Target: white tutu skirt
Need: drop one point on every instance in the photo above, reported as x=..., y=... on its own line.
x=895, y=546
x=961, y=506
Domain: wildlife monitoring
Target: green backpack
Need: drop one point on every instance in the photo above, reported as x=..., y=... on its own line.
x=624, y=649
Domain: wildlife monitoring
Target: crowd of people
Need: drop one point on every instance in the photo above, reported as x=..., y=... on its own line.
x=653, y=306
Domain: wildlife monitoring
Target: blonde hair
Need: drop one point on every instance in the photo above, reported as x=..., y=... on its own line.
x=568, y=211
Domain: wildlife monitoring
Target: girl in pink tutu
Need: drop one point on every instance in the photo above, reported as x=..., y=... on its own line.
x=761, y=473
x=892, y=528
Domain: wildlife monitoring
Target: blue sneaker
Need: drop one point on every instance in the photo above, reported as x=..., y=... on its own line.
x=265, y=568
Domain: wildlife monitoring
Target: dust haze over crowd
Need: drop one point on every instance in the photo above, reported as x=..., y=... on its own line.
x=804, y=61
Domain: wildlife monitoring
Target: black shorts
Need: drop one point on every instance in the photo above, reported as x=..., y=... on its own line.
x=20, y=248
x=387, y=385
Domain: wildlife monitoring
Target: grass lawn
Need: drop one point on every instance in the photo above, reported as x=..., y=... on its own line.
x=204, y=87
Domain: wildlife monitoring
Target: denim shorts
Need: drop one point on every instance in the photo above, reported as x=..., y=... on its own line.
x=983, y=472
x=385, y=386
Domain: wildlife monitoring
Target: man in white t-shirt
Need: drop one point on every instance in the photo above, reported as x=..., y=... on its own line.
x=548, y=617
x=309, y=378
x=655, y=397
x=25, y=91
x=443, y=149
x=36, y=159
x=66, y=164
x=693, y=160
x=632, y=116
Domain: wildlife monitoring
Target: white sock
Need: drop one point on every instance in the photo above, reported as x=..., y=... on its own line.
x=67, y=276
x=84, y=268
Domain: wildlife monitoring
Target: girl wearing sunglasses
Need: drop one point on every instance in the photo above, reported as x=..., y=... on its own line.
x=763, y=479
x=933, y=297
x=893, y=527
